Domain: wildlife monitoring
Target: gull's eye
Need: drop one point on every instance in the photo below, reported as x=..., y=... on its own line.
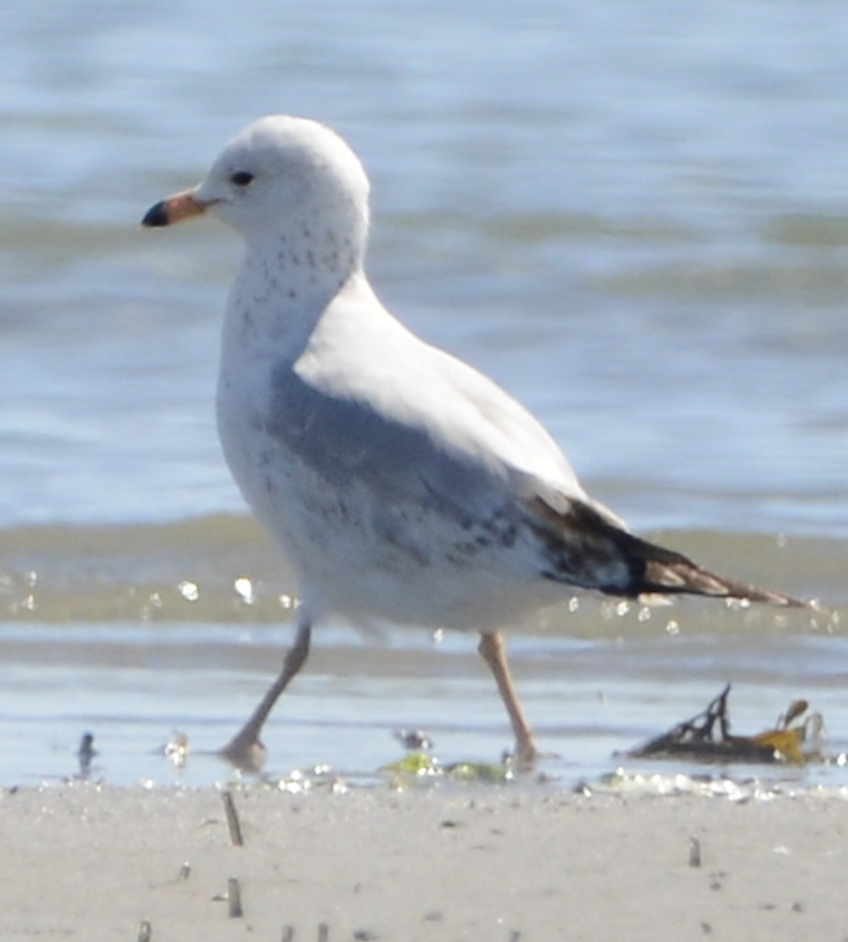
x=241, y=178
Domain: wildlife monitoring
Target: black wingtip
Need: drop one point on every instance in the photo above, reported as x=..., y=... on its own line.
x=156, y=216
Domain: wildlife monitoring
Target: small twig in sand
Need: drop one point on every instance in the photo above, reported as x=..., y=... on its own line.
x=234, y=898
x=232, y=819
x=145, y=933
x=694, y=852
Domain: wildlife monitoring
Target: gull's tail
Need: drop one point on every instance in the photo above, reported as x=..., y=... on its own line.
x=583, y=547
x=656, y=570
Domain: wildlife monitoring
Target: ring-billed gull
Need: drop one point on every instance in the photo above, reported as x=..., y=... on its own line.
x=401, y=484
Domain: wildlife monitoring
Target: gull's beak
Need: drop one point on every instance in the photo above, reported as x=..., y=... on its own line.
x=175, y=208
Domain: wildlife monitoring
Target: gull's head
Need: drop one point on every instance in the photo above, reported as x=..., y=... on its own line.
x=281, y=176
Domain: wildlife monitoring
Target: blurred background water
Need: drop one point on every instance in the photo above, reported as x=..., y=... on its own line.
x=633, y=214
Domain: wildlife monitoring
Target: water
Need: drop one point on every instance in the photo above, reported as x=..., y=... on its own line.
x=633, y=215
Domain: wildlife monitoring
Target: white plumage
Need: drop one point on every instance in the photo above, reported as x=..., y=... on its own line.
x=401, y=483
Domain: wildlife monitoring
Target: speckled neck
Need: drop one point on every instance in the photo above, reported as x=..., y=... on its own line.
x=284, y=286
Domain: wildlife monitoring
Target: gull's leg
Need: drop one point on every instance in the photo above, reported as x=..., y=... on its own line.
x=245, y=750
x=493, y=651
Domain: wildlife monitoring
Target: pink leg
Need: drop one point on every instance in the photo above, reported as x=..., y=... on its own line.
x=245, y=750
x=493, y=651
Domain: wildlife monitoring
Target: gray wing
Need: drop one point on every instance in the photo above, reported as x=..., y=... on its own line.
x=570, y=540
x=343, y=439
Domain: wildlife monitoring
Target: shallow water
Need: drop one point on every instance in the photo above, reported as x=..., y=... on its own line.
x=591, y=701
x=633, y=215
x=132, y=633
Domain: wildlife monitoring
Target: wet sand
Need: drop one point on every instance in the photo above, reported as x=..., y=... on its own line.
x=477, y=865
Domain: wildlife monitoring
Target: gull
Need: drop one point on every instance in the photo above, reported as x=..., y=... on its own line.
x=402, y=485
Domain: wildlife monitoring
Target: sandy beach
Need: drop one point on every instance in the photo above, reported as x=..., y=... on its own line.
x=500, y=865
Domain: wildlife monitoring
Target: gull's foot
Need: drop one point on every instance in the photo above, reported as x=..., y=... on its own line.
x=245, y=752
x=525, y=757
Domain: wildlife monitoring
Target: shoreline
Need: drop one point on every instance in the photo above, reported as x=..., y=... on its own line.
x=493, y=864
